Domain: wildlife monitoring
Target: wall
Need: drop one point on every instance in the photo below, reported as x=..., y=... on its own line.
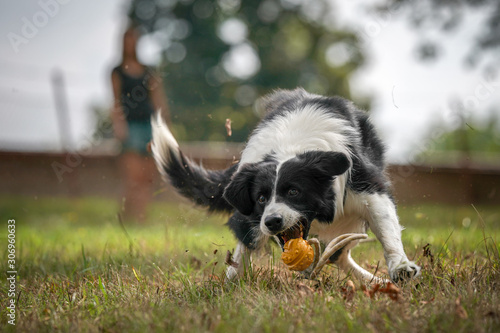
x=42, y=174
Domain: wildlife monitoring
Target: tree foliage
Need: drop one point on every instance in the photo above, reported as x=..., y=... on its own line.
x=471, y=142
x=446, y=17
x=472, y=137
x=220, y=56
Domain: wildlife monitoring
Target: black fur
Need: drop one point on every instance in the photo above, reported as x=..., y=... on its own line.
x=312, y=172
x=245, y=229
x=250, y=182
x=202, y=186
x=334, y=257
x=297, y=171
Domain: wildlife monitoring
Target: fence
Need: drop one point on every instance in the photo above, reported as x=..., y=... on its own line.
x=43, y=174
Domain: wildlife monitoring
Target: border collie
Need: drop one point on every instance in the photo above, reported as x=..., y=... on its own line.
x=313, y=162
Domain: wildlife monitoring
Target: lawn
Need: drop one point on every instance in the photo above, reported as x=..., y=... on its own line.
x=79, y=269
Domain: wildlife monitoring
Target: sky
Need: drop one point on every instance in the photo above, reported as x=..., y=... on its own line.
x=414, y=99
x=81, y=40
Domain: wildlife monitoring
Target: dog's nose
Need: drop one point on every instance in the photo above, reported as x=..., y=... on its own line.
x=273, y=222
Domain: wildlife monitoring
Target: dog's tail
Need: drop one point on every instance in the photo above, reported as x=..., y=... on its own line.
x=202, y=186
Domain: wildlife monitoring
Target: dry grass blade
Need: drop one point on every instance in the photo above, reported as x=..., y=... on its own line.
x=348, y=291
x=459, y=309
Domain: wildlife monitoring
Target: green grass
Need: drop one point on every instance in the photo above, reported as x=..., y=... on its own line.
x=79, y=270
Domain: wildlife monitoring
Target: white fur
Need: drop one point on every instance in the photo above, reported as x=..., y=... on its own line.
x=348, y=224
x=348, y=265
x=303, y=130
x=379, y=212
x=290, y=216
x=297, y=132
x=286, y=136
x=163, y=142
x=308, y=129
x=384, y=223
x=241, y=257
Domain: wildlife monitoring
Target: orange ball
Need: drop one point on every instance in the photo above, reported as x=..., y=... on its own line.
x=298, y=254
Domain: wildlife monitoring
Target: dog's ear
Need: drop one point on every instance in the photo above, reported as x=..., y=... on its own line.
x=238, y=192
x=328, y=163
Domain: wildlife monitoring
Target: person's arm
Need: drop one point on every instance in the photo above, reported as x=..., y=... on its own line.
x=158, y=97
x=120, y=127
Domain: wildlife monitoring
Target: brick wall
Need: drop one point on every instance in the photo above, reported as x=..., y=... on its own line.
x=43, y=174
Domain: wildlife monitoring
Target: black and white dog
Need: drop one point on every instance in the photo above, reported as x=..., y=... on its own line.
x=314, y=161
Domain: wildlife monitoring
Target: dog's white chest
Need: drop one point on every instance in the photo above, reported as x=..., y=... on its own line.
x=347, y=224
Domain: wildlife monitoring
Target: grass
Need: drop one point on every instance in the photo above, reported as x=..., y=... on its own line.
x=79, y=270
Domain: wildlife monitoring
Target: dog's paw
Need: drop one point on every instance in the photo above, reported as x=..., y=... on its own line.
x=231, y=273
x=405, y=270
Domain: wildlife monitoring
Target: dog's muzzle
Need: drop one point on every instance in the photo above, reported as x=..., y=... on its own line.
x=274, y=223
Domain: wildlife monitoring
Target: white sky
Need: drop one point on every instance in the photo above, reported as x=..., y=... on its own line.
x=80, y=39
x=412, y=96
x=83, y=40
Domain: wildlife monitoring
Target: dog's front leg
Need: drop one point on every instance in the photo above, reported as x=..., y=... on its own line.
x=240, y=262
x=383, y=221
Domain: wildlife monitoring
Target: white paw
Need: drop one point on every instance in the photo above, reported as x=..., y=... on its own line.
x=231, y=273
x=405, y=270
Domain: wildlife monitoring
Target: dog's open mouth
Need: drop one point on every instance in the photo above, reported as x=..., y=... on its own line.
x=298, y=230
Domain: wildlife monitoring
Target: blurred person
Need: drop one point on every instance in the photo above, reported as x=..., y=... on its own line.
x=138, y=94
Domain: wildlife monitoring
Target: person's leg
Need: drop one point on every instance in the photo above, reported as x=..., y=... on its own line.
x=145, y=181
x=138, y=178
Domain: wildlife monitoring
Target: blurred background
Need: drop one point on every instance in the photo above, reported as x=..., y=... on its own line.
x=426, y=71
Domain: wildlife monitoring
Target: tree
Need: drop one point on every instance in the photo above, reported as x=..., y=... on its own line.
x=220, y=56
x=472, y=136
x=446, y=17
x=471, y=141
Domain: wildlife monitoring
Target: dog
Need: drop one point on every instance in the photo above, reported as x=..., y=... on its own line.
x=313, y=162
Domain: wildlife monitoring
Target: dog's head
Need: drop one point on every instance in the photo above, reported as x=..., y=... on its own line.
x=287, y=197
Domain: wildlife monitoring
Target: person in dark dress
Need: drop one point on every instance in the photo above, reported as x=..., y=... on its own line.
x=138, y=94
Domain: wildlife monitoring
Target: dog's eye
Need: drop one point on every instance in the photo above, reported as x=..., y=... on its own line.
x=293, y=192
x=262, y=199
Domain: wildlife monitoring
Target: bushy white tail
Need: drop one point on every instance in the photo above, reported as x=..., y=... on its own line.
x=204, y=187
x=163, y=145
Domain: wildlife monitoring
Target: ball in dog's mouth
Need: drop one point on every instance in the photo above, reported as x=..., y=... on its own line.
x=299, y=230
x=297, y=254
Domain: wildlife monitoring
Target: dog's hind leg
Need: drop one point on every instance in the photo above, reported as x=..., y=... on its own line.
x=339, y=252
x=384, y=223
x=348, y=265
